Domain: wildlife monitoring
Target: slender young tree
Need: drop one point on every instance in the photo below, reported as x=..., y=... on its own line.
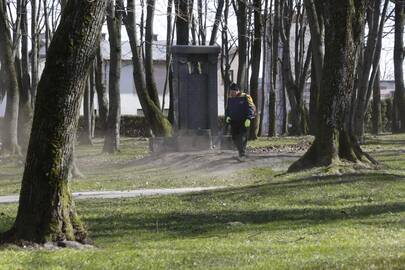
x=294, y=79
x=46, y=210
x=7, y=61
x=333, y=142
x=101, y=90
x=314, y=11
x=217, y=22
x=398, y=119
x=369, y=65
x=241, y=19
x=376, y=107
x=256, y=57
x=25, y=110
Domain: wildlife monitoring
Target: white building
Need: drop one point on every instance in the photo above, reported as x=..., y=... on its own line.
x=129, y=100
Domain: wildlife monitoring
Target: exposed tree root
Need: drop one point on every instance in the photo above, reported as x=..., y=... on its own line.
x=348, y=150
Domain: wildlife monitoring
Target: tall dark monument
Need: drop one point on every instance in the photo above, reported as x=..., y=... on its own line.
x=195, y=87
x=195, y=98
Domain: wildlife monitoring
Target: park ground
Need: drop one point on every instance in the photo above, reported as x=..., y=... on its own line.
x=344, y=217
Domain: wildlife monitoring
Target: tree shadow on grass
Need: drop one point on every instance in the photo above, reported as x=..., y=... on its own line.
x=204, y=215
x=209, y=223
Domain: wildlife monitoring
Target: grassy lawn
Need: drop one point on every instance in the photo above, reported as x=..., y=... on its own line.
x=349, y=219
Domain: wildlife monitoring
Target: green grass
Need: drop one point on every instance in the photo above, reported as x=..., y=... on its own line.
x=354, y=219
x=124, y=171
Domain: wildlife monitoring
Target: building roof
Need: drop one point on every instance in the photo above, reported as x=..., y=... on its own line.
x=159, y=50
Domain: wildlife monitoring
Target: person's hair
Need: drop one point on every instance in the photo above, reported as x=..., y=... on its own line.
x=234, y=87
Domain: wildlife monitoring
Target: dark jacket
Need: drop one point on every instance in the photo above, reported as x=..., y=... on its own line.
x=240, y=108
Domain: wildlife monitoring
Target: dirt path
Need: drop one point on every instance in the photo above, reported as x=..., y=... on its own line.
x=217, y=163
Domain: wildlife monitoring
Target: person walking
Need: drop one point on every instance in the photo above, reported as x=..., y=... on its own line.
x=239, y=113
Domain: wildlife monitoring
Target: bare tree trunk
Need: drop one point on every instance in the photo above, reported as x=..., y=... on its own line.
x=275, y=68
x=46, y=210
x=112, y=135
x=333, y=141
x=101, y=91
x=169, y=43
x=34, y=51
x=10, y=125
x=263, y=107
x=241, y=18
x=149, y=76
x=399, y=95
x=25, y=112
x=85, y=134
x=159, y=124
x=182, y=21
x=256, y=56
x=218, y=16
x=371, y=58
x=376, y=106
x=314, y=11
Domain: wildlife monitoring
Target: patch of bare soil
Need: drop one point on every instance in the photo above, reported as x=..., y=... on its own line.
x=218, y=163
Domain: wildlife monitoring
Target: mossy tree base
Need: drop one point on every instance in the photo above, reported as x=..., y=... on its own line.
x=46, y=211
x=343, y=149
x=42, y=224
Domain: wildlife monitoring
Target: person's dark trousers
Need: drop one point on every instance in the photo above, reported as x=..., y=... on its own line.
x=239, y=137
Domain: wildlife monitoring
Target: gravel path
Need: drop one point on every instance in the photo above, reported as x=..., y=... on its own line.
x=120, y=194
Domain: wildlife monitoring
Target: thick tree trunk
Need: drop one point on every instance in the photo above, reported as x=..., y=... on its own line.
x=399, y=95
x=159, y=124
x=149, y=76
x=333, y=141
x=101, y=91
x=46, y=210
x=10, y=126
x=112, y=135
x=256, y=57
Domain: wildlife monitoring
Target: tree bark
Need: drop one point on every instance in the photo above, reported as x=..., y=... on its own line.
x=376, y=106
x=182, y=21
x=217, y=21
x=46, y=210
x=25, y=110
x=275, y=68
x=101, y=91
x=34, y=51
x=149, y=76
x=112, y=136
x=315, y=20
x=241, y=18
x=85, y=134
x=256, y=57
x=10, y=126
x=399, y=95
x=159, y=124
x=371, y=59
x=342, y=37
